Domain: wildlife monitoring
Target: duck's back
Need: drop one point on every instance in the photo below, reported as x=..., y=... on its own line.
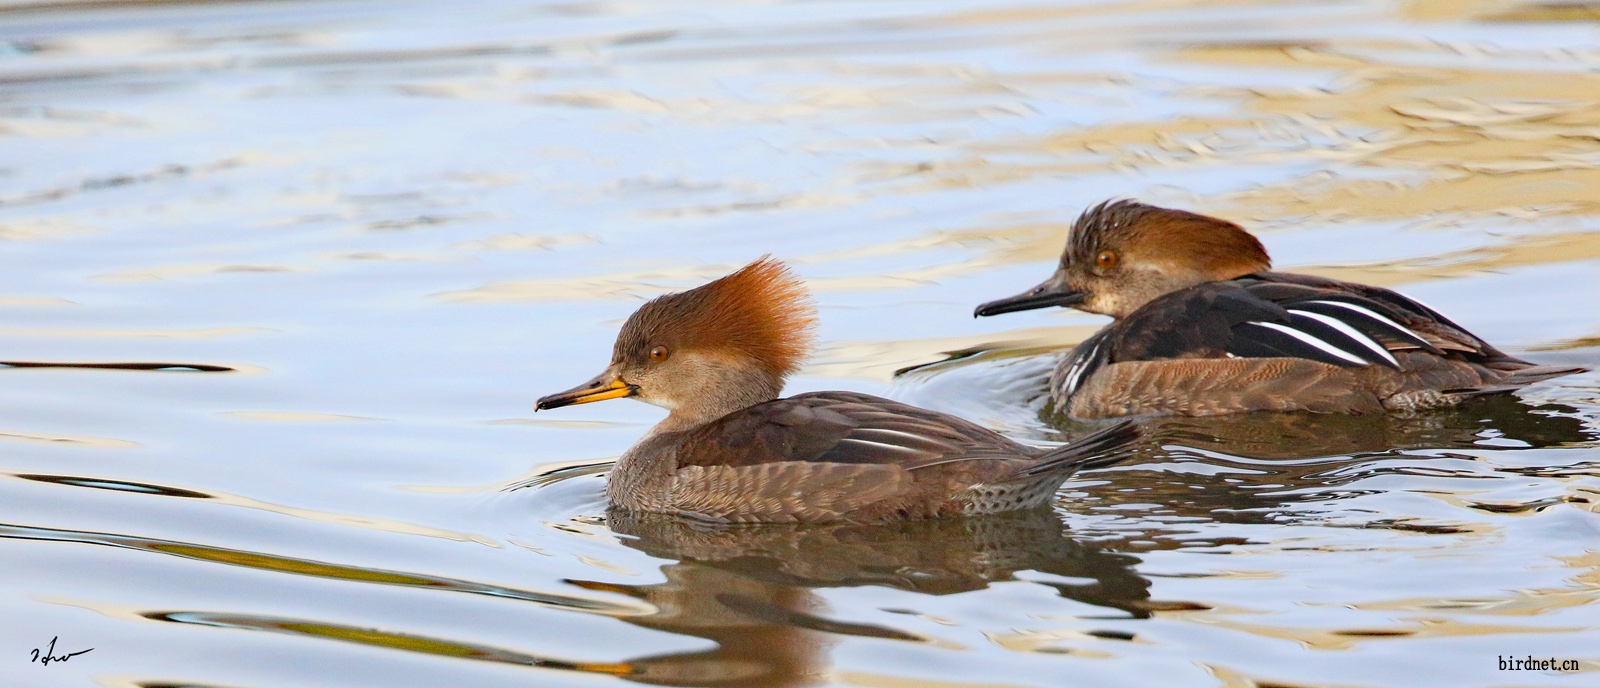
x=1282, y=342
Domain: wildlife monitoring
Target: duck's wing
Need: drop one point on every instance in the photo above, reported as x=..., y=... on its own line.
x=1244, y=318
x=1283, y=340
x=1402, y=323
x=841, y=428
x=1380, y=311
x=1260, y=318
x=819, y=456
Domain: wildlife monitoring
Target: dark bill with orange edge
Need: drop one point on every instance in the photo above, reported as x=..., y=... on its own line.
x=606, y=385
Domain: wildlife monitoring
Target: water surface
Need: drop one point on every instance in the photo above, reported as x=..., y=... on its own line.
x=354, y=240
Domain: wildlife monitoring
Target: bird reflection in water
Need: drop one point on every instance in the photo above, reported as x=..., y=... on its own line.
x=1503, y=419
x=1248, y=468
x=749, y=587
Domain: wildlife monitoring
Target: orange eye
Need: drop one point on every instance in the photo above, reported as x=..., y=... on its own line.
x=1106, y=259
x=658, y=354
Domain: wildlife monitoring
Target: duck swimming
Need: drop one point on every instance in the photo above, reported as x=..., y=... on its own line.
x=1202, y=326
x=730, y=450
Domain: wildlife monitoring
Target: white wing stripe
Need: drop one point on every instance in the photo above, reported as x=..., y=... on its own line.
x=1072, y=376
x=1350, y=332
x=1079, y=366
x=1313, y=341
x=896, y=433
x=1375, y=316
x=896, y=447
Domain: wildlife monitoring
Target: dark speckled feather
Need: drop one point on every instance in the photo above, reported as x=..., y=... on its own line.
x=843, y=428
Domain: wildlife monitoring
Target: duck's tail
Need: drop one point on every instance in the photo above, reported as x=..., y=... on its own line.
x=1532, y=374
x=1099, y=449
x=1514, y=379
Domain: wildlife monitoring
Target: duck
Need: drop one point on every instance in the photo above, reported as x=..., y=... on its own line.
x=1201, y=326
x=717, y=356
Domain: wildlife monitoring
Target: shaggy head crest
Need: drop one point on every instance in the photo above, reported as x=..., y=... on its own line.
x=1177, y=239
x=761, y=312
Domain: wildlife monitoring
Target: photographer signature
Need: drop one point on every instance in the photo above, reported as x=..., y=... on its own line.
x=49, y=655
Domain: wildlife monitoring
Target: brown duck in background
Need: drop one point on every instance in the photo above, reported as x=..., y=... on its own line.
x=1202, y=327
x=716, y=357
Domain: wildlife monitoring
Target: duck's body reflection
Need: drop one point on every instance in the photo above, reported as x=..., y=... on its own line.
x=1253, y=468
x=1267, y=435
x=748, y=588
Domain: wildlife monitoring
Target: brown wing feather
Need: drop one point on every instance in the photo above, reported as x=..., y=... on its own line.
x=842, y=428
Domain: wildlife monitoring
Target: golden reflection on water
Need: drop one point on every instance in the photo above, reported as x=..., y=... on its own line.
x=871, y=680
x=33, y=301
x=1515, y=603
x=1469, y=144
x=378, y=638
x=162, y=273
x=748, y=589
x=1345, y=639
x=1473, y=142
x=643, y=284
x=1519, y=252
x=349, y=520
x=1399, y=140
x=320, y=569
x=882, y=359
x=1499, y=10
x=101, y=442
x=637, y=284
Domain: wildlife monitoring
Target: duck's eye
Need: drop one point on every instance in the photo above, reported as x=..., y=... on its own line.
x=658, y=354
x=1106, y=259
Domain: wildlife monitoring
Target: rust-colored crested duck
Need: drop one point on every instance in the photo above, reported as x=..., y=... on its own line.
x=1203, y=327
x=716, y=357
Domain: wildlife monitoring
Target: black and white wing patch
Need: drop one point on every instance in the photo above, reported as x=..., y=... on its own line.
x=1269, y=316
x=1365, y=318
x=1079, y=365
x=1306, y=337
x=1333, y=329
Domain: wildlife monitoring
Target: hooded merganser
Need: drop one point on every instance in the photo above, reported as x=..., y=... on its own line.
x=716, y=357
x=1202, y=327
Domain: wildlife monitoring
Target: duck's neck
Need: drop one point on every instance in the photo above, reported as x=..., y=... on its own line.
x=716, y=398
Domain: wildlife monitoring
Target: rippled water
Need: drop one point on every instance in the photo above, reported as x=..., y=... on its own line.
x=374, y=232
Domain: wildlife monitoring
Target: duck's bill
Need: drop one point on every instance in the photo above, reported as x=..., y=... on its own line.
x=604, y=386
x=1042, y=296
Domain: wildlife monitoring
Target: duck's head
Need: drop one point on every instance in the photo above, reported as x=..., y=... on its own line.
x=708, y=351
x=1122, y=254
